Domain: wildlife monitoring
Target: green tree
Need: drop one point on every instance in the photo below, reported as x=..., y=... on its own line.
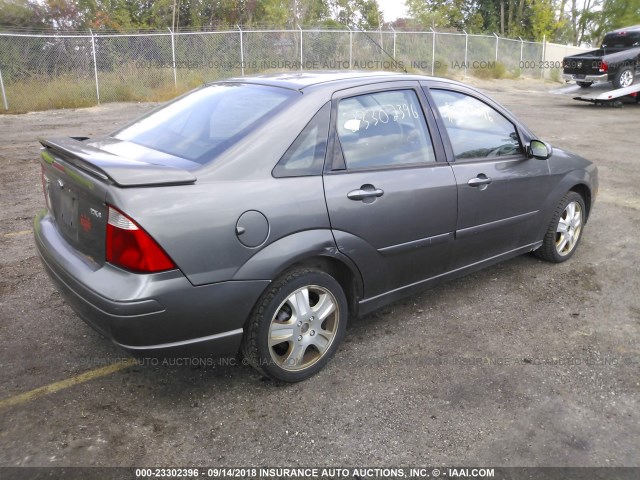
x=543, y=19
x=21, y=13
x=614, y=14
x=68, y=14
x=437, y=13
x=471, y=16
x=511, y=18
x=363, y=14
x=276, y=12
x=310, y=12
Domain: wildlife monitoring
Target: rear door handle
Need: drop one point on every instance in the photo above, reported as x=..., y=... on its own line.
x=365, y=192
x=479, y=181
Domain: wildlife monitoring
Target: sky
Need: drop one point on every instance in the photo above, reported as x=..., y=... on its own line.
x=392, y=9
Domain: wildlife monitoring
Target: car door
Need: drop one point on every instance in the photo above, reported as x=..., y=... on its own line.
x=500, y=189
x=391, y=196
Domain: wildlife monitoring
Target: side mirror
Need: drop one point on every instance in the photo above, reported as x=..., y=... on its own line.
x=539, y=149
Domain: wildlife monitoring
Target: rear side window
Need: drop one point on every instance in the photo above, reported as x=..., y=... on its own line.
x=383, y=129
x=476, y=130
x=306, y=154
x=203, y=124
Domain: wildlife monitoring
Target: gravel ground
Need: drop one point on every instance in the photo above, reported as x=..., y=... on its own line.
x=523, y=364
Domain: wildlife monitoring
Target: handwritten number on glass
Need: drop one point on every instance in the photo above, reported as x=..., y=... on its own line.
x=380, y=115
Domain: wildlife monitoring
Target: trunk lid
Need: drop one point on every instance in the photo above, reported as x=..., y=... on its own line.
x=106, y=166
x=584, y=64
x=76, y=178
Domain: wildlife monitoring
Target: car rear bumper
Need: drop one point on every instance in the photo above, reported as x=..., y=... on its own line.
x=571, y=77
x=160, y=314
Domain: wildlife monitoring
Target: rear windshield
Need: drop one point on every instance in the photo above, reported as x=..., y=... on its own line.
x=621, y=40
x=202, y=124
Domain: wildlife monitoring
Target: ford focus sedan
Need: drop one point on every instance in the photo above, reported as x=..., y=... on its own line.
x=259, y=214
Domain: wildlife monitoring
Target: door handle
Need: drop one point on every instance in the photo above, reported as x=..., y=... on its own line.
x=365, y=192
x=479, y=181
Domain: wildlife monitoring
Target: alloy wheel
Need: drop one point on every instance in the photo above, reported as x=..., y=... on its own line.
x=569, y=228
x=303, y=328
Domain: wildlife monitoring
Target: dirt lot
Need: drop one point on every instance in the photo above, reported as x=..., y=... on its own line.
x=523, y=364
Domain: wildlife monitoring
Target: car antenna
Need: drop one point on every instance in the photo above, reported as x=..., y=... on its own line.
x=395, y=62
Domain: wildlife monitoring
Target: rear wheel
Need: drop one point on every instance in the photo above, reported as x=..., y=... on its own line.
x=624, y=78
x=585, y=84
x=565, y=230
x=297, y=325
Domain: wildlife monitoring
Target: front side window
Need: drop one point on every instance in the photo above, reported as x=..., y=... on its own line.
x=383, y=129
x=475, y=129
x=199, y=126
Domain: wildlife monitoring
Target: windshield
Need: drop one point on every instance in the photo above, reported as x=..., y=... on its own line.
x=202, y=124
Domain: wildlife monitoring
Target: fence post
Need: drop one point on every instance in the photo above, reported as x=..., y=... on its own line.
x=544, y=53
x=521, y=51
x=497, y=43
x=433, y=53
x=521, y=55
x=350, y=47
x=241, y=51
x=95, y=65
x=466, y=51
x=394, y=41
x=173, y=56
x=301, y=57
x=4, y=94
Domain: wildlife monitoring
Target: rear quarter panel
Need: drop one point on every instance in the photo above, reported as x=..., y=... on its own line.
x=196, y=224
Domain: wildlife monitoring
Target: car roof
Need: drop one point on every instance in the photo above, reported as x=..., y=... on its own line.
x=634, y=28
x=336, y=79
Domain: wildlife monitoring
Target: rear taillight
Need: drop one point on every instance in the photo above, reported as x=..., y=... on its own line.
x=45, y=188
x=604, y=68
x=131, y=248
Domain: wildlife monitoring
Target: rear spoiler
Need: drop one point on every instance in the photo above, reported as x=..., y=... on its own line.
x=110, y=167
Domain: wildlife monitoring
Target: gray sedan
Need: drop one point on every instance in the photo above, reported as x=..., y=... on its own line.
x=259, y=214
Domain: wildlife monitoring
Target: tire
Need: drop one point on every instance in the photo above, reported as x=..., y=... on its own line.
x=307, y=310
x=565, y=230
x=584, y=84
x=624, y=78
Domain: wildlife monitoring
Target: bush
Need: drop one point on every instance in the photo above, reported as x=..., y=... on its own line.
x=442, y=67
x=492, y=70
x=38, y=93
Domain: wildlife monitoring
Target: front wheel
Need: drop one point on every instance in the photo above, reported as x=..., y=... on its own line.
x=296, y=326
x=624, y=78
x=565, y=230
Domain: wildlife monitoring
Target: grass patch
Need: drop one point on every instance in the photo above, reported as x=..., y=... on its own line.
x=441, y=68
x=47, y=93
x=493, y=70
x=127, y=84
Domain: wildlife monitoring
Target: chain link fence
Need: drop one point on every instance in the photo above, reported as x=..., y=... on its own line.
x=39, y=72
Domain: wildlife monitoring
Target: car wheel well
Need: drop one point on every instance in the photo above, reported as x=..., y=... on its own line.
x=338, y=270
x=585, y=193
